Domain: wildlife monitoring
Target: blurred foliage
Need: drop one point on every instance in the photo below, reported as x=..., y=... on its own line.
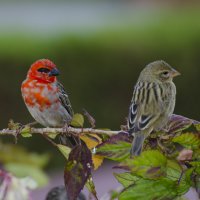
x=99, y=69
x=21, y=163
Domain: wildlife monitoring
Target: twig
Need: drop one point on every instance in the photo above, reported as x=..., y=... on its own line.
x=52, y=131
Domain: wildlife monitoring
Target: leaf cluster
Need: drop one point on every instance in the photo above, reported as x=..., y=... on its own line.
x=166, y=169
x=168, y=166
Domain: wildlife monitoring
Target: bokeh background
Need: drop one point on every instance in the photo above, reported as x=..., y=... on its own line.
x=100, y=47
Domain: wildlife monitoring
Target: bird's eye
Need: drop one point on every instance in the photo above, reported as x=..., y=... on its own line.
x=43, y=70
x=165, y=74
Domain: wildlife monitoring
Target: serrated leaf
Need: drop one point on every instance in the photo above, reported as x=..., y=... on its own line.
x=91, y=187
x=25, y=132
x=26, y=170
x=196, y=166
x=77, y=170
x=150, y=164
x=116, y=148
x=196, y=154
x=173, y=170
x=91, y=140
x=145, y=189
x=175, y=173
x=185, y=182
x=197, y=126
x=126, y=179
x=188, y=140
x=97, y=161
x=78, y=120
x=64, y=150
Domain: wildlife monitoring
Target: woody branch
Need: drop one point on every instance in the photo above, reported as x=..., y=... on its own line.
x=51, y=131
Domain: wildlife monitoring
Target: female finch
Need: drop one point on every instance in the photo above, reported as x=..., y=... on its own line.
x=45, y=97
x=152, y=103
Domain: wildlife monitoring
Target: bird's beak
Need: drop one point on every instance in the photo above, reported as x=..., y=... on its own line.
x=175, y=73
x=54, y=72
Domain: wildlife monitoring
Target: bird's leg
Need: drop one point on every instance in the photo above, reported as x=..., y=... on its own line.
x=67, y=138
x=65, y=129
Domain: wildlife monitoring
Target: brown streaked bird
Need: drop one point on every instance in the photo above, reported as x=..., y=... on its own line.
x=153, y=102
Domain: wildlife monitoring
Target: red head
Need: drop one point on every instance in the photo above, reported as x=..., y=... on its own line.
x=43, y=70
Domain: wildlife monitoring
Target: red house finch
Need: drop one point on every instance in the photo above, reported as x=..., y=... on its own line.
x=152, y=103
x=45, y=97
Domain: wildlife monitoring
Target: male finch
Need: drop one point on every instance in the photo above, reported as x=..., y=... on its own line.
x=152, y=103
x=45, y=97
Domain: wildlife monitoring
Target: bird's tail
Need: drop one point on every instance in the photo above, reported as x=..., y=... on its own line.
x=137, y=144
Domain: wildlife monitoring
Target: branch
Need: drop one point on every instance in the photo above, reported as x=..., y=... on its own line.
x=52, y=131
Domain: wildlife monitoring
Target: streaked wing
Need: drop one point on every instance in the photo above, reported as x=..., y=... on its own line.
x=145, y=107
x=64, y=99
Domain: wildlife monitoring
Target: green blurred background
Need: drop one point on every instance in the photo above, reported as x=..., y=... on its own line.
x=100, y=48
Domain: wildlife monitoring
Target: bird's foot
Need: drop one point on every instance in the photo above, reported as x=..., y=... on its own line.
x=65, y=129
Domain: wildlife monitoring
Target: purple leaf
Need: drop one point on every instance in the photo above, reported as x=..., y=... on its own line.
x=77, y=170
x=91, y=187
x=116, y=148
x=122, y=137
x=178, y=123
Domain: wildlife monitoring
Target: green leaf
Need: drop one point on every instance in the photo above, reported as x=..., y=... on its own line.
x=64, y=150
x=196, y=166
x=26, y=132
x=52, y=135
x=196, y=184
x=145, y=189
x=175, y=182
x=91, y=187
x=173, y=170
x=24, y=170
x=185, y=182
x=114, y=195
x=78, y=120
x=176, y=174
x=116, y=148
x=196, y=154
x=126, y=179
x=188, y=140
x=150, y=164
x=117, y=152
x=197, y=126
x=181, y=198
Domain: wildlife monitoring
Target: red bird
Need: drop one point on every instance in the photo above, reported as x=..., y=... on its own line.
x=45, y=97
